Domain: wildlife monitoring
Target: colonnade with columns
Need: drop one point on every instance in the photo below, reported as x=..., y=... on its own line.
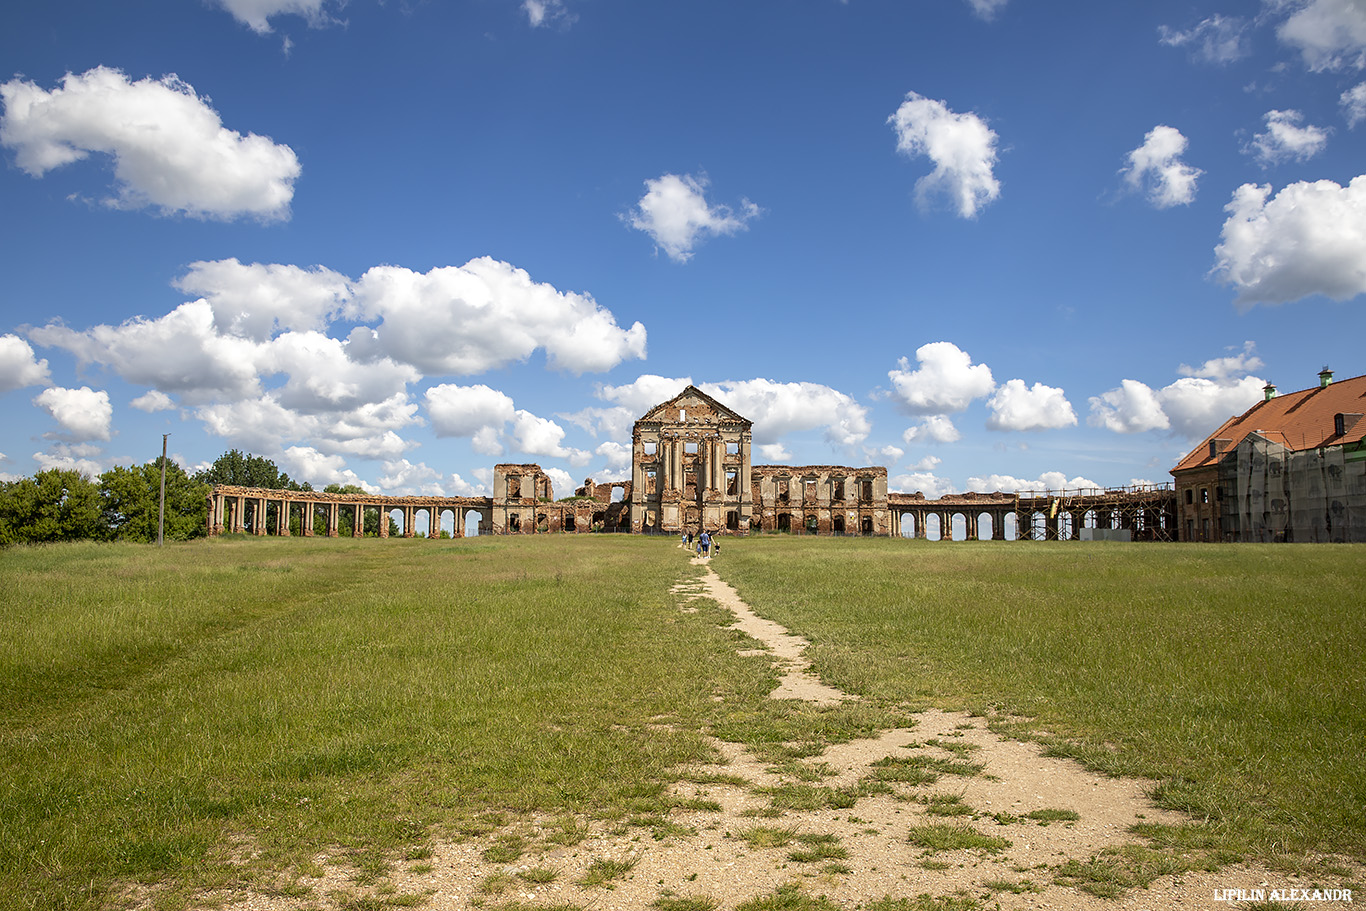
x=244, y=510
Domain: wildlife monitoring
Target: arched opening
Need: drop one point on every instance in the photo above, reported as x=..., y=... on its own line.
x=986, y=527
x=446, y=522
x=1038, y=527
x=932, y=531
x=599, y=518
x=422, y=521
x=1008, y=530
x=958, y=525
x=837, y=525
x=1065, y=531
x=396, y=522
x=475, y=522
x=812, y=527
x=569, y=522
x=866, y=526
x=542, y=523
x=785, y=521
x=618, y=494
x=908, y=525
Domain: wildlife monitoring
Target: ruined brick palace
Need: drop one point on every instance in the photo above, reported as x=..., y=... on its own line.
x=690, y=470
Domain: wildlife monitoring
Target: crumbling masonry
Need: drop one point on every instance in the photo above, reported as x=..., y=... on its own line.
x=691, y=470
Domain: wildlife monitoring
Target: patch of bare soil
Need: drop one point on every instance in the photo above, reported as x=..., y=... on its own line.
x=990, y=832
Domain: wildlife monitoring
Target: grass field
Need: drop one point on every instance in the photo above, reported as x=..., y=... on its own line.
x=218, y=711
x=1234, y=674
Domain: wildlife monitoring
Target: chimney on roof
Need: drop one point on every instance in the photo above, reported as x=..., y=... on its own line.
x=1325, y=377
x=1268, y=392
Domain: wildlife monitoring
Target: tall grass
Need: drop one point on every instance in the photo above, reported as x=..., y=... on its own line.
x=163, y=712
x=1236, y=674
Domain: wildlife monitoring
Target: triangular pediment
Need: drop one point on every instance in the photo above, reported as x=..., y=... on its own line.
x=692, y=404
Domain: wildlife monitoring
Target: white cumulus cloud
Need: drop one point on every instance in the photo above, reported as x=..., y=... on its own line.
x=170, y=149
x=1157, y=169
x=19, y=366
x=1353, y=102
x=1285, y=140
x=937, y=428
x=944, y=382
x=1191, y=407
x=460, y=320
x=1131, y=407
x=255, y=301
x=922, y=482
x=1329, y=34
x=778, y=409
x=1310, y=238
x=1049, y=480
x=675, y=213
x=1015, y=406
x=153, y=400
x=961, y=146
x=256, y=14
x=84, y=413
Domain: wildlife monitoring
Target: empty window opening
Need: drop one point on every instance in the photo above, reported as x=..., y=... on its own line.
x=867, y=526
x=514, y=523
x=733, y=483
x=837, y=489
x=649, y=448
x=514, y=487
x=867, y=490
x=837, y=525
x=569, y=522
x=733, y=520
x=1204, y=494
x=690, y=448
x=811, y=524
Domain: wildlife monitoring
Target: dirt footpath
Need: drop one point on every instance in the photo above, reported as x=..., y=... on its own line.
x=989, y=831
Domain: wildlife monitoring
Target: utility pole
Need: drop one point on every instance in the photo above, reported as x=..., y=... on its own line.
x=161, y=511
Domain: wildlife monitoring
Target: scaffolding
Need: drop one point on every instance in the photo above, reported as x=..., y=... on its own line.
x=1147, y=512
x=1281, y=494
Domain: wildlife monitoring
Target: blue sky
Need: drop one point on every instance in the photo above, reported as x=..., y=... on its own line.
x=989, y=244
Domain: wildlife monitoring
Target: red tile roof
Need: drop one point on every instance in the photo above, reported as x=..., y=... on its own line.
x=1298, y=420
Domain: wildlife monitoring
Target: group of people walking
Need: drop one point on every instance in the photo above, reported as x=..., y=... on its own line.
x=704, y=545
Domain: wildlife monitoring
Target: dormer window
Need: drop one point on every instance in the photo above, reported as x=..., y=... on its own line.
x=1339, y=424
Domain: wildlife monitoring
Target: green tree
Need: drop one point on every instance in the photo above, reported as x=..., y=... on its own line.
x=346, y=520
x=239, y=470
x=130, y=500
x=54, y=505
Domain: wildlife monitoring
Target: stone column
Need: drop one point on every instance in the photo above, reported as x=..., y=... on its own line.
x=409, y=517
x=284, y=517
x=358, y=527
x=306, y=518
x=332, y=524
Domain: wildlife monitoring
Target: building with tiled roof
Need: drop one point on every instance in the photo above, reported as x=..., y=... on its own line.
x=1290, y=468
